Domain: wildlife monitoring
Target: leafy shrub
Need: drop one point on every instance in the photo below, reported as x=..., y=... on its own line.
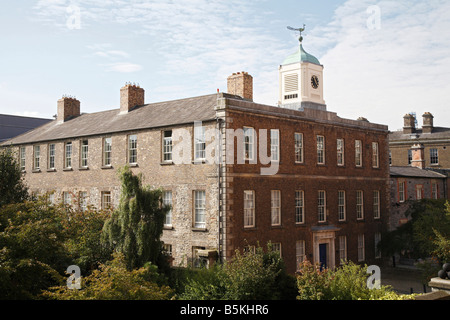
x=112, y=281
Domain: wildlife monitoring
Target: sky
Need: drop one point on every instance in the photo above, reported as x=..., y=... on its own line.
x=382, y=59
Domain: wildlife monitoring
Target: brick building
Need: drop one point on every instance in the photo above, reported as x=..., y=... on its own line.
x=410, y=184
x=435, y=142
x=297, y=175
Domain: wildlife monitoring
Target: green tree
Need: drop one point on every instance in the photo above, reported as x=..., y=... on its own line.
x=135, y=228
x=112, y=281
x=258, y=275
x=12, y=186
x=32, y=252
x=347, y=282
x=418, y=237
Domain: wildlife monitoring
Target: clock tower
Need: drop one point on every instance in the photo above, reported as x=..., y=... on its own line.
x=301, y=81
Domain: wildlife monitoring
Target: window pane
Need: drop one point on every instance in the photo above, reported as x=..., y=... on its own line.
x=276, y=207
x=275, y=145
x=340, y=152
x=249, y=208
x=320, y=150
x=68, y=155
x=321, y=201
x=341, y=205
x=51, y=156
x=248, y=143
x=358, y=153
x=84, y=153
x=199, y=206
x=167, y=200
x=107, y=146
x=299, y=206
x=167, y=146
x=199, y=142
x=299, y=148
x=132, y=149
x=359, y=205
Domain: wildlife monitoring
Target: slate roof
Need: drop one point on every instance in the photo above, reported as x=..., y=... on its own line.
x=437, y=134
x=154, y=115
x=12, y=126
x=415, y=172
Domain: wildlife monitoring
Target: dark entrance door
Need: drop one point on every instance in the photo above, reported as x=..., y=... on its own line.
x=323, y=255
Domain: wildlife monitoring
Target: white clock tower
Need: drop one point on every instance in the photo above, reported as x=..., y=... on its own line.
x=301, y=81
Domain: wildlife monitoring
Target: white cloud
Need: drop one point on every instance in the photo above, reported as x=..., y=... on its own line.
x=385, y=73
x=123, y=67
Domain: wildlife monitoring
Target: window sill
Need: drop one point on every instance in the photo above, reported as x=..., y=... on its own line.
x=67, y=169
x=133, y=165
x=200, y=161
x=51, y=170
x=166, y=163
x=107, y=167
x=83, y=168
x=250, y=228
x=199, y=229
x=36, y=170
x=168, y=227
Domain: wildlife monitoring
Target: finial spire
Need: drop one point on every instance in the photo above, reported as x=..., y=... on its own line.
x=300, y=30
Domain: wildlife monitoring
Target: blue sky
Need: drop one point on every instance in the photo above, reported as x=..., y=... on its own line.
x=379, y=64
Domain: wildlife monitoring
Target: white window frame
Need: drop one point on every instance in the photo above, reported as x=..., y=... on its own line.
x=434, y=156
x=22, y=156
x=320, y=149
x=249, y=143
x=249, y=208
x=51, y=155
x=168, y=200
x=401, y=191
x=132, y=149
x=358, y=153
x=341, y=205
x=300, y=252
x=275, y=205
x=340, y=149
x=359, y=204
x=167, y=146
x=299, y=207
x=375, y=155
x=376, y=204
x=275, y=145
x=84, y=155
x=200, y=209
x=107, y=151
x=199, y=143
x=342, y=248
x=36, y=157
x=67, y=198
x=106, y=200
x=298, y=147
x=322, y=206
x=434, y=190
x=361, y=248
x=82, y=201
x=68, y=152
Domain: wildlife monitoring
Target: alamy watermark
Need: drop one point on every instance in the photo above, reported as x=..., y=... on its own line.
x=374, y=20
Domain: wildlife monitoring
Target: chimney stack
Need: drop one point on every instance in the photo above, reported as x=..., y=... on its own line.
x=409, y=124
x=241, y=84
x=68, y=108
x=418, y=156
x=131, y=95
x=427, y=123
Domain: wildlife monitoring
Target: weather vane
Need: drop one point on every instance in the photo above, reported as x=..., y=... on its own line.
x=300, y=30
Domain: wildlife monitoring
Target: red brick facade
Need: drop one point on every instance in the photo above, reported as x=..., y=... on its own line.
x=309, y=177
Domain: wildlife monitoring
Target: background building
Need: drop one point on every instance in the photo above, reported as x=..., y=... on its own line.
x=12, y=126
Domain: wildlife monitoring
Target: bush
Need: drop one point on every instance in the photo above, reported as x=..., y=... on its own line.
x=112, y=281
x=255, y=275
x=348, y=282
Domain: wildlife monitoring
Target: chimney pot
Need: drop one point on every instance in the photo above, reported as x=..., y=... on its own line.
x=427, y=123
x=131, y=95
x=241, y=84
x=409, y=124
x=67, y=108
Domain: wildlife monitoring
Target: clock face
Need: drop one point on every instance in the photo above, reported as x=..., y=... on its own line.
x=315, y=82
